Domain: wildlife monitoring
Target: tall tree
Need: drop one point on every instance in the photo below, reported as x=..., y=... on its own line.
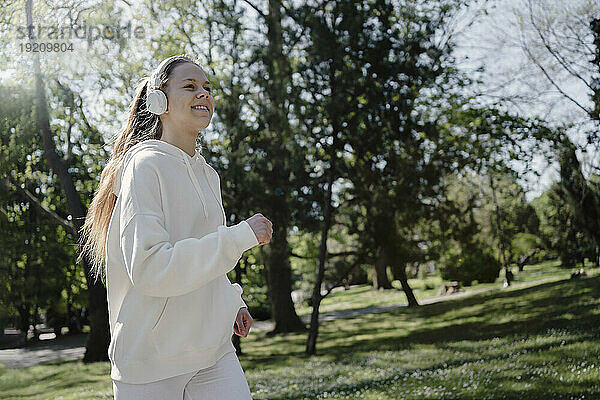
x=582, y=199
x=69, y=141
x=405, y=61
x=366, y=67
x=99, y=337
x=324, y=104
x=279, y=160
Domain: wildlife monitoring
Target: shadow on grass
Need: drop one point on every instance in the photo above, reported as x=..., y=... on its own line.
x=569, y=308
x=432, y=375
x=532, y=310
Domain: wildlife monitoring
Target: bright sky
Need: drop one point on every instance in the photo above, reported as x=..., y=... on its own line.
x=494, y=41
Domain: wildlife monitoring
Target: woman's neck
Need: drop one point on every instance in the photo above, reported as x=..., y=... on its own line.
x=185, y=142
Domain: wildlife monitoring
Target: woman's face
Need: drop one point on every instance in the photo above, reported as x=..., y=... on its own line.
x=190, y=104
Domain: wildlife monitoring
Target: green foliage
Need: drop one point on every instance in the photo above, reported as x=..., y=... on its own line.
x=37, y=257
x=472, y=262
x=560, y=230
x=523, y=243
x=583, y=201
x=253, y=283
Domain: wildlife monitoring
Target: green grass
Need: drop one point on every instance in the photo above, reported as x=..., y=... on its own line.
x=536, y=342
x=364, y=296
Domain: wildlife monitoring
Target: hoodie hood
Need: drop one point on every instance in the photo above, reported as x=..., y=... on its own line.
x=190, y=162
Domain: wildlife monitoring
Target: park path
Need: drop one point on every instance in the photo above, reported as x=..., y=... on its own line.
x=73, y=347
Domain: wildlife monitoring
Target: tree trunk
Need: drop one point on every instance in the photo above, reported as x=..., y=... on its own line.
x=500, y=233
x=238, y=279
x=34, y=238
x=279, y=276
x=24, y=319
x=313, y=332
x=36, y=306
x=395, y=270
x=311, y=342
x=380, y=280
x=277, y=261
x=99, y=339
x=410, y=297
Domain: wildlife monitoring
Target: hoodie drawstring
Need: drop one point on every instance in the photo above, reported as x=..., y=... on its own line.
x=197, y=185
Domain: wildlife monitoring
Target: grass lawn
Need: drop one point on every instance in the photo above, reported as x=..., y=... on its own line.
x=536, y=342
x=429, y=287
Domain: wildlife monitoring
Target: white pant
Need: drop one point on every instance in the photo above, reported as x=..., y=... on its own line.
x=223, y=381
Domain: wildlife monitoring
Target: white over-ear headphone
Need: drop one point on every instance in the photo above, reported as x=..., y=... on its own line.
x=156, y=99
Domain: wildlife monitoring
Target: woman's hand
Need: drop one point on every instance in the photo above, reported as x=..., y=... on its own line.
x=262, y=227
x=243, y=322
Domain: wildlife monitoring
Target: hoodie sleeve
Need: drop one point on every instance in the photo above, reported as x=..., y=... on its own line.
x=157, y=267
x=240, y=291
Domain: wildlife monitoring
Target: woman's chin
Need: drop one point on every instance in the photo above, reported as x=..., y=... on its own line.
x=201, y=123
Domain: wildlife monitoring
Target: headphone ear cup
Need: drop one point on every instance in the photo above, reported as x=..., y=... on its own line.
x=156, y=102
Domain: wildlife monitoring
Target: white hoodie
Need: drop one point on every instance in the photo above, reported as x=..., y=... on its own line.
x=171, y=305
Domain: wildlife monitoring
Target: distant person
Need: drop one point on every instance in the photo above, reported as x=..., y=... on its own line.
x=158, y=223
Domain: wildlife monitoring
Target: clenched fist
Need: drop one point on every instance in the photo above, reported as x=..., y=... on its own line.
x=243, y=322
x=262, y=227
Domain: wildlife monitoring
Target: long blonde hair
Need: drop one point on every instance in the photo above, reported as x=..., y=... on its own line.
x=141, y=125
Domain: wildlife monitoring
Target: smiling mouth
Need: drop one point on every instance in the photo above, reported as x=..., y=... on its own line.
x=202, y=108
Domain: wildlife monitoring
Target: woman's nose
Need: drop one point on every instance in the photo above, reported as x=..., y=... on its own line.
x=202, y=93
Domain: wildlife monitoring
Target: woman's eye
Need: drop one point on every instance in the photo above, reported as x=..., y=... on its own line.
x=207, y=89
x=190, y=85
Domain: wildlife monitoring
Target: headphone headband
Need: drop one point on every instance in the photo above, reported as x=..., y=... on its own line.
x=156, y=100
x=159, y=70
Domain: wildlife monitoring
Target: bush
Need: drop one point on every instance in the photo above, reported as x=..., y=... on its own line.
x=523, y=243
x=475, y=262
x=542, y=255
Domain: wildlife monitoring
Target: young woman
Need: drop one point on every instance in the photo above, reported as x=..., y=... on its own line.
x=158, y=224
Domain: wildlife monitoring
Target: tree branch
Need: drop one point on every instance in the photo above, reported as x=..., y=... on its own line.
x=340, y=280
x=292, y=254
x=68, y=225
x=329, y=255
x=536, y=62
x=556, y=56
x=262, y=14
